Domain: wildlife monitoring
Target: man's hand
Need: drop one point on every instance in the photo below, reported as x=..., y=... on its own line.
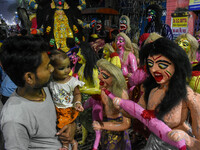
x=66, y=134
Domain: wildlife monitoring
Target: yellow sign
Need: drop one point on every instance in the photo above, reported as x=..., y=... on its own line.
x=194, y=2
x=180, y=22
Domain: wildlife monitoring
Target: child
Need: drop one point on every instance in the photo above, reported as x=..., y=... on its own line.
x=65, y=92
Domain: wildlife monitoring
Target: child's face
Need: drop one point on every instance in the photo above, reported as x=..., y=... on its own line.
x=62, y=69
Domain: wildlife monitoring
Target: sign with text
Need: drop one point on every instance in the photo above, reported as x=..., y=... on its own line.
x=194, y=5
x=179, y=25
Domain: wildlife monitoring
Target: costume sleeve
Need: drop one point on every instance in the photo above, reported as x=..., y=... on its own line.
x=15, y=135
x=77, y=82
x=132, y=62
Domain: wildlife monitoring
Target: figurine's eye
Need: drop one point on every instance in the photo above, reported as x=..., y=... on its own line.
x=105, y=76
x=150, y=64
x=163, y=66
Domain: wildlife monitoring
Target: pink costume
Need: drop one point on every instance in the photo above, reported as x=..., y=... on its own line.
x=148, y=118
x=97, y=115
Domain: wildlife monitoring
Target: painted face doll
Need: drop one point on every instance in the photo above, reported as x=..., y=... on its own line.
x=151, y=15
x=105, y=79
x=161, y=68
x=123, y=24
x=98, y=25
x=120, y=43
x=185, y=44
x=106, y=53
x=59, y=2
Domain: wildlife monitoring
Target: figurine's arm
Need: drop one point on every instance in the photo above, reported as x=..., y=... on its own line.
x=193, y=143
x=132, y=62
x=148, y=118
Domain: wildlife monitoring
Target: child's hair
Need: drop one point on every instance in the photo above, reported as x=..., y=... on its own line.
x=56, y=55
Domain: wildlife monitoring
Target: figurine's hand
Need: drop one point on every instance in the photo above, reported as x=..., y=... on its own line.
x=129, y=75
x=79, y=107
x=178, y=135
x=96, y=125
x=116, y=102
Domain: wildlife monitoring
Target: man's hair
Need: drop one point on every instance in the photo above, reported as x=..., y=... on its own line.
x=21, y=54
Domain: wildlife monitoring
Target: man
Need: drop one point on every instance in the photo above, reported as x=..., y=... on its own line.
x=28, y=119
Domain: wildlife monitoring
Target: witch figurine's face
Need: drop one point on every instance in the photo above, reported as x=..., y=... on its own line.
x=123, y=24
x=161, y=68
x=184, y=44
x=151, y=15
x=120, y=43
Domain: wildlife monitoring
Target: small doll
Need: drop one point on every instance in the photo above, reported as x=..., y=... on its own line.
x=114, y=127
x=190, y=45
x=125, y=51
x=65, y=92
x=88, y=73
x=110, y=55
x=154, y=14
x=124, y=25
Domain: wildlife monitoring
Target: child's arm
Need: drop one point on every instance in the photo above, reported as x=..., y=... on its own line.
x=77, y=99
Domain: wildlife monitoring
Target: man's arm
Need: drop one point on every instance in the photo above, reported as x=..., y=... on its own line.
x=66, y=134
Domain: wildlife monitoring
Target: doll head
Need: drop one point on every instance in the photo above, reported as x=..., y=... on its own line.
x=123, y=42
x=107, y=50
x=124, y=24
x=152, y=37
x=177, y=81
x=117, y=83
x=197, y=36
x=88, y=57
x=153, y=13
x=61, y=63
x=189, y=44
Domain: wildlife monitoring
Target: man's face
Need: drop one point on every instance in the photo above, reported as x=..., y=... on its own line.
x=43, y=72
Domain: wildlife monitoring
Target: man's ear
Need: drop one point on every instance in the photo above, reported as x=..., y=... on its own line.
x=29, y=78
